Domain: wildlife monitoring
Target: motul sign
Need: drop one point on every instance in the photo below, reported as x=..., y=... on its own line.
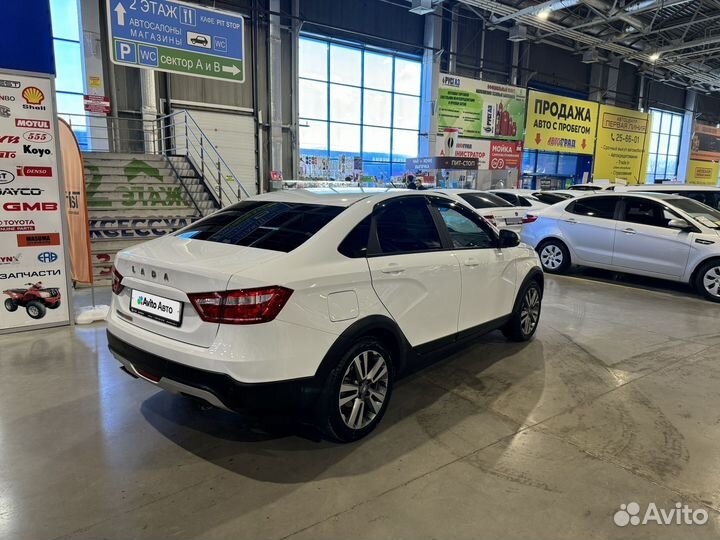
x=32, y=124
x=30, y=207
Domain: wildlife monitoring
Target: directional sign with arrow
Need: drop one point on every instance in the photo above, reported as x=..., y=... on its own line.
x=178, y=38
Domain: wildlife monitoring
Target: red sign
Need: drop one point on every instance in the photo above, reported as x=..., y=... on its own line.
x=35, y=240
x=35, y=171
x=97, y=104
x=505, y=155
x=32, y=124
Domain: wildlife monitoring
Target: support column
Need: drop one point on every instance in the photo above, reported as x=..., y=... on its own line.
x=515, y=62
x=94, y=83
x=148, y=90
x=452, y=61
x=275, y=88
x=597, y=81
x=295, y=85
x=611, y=82
x=430, y=82
x=686, y=135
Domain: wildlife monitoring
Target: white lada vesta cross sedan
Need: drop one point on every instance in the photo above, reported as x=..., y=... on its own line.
x=315, y=302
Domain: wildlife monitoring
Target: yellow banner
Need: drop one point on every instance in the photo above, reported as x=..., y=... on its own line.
x=623, y=141
x=703, y=172
x=560, y=124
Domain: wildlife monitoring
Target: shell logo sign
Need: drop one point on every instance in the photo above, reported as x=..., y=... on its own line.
x=33, y=97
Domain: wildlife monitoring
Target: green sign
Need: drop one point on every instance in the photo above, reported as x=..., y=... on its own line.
x=480, y=109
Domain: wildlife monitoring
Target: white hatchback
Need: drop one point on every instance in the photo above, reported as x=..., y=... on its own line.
x=317, y=302
x=495, y=209
x=651, y=234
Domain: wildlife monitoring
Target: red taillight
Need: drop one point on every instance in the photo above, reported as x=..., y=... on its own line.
x=117, y=286
x=247, y=306
x=491, y=219
x=529, y=219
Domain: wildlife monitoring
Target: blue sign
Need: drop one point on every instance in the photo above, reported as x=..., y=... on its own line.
x=177, y=37
x=26, y=42
x=47, y=257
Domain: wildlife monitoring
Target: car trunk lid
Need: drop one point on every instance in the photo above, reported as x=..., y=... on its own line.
x=168, y=269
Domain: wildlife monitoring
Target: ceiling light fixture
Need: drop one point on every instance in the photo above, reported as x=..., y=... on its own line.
x=654, y=57
x=544, y=15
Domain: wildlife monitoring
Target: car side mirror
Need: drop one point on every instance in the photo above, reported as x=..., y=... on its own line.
x=678, y=224
x=508, y=238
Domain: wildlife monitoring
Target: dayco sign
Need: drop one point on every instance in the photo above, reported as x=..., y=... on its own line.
x=560, y=124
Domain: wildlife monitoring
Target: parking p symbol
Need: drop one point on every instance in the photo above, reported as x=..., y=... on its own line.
x=125, y=52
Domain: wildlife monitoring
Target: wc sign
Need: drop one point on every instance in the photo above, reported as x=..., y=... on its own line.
x=178, y=38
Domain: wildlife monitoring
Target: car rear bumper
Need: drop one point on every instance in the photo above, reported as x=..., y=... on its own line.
x=218, y=389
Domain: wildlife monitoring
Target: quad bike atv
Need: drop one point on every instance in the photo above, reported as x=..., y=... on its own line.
x=35, y=299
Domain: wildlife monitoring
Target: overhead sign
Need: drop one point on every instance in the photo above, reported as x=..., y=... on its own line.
x=703, y=172
x=178, y=38
x=33, y=279
x=560, y=124
x=480, y=109
x=623, y=140
x=442, y=162
x=705, y=143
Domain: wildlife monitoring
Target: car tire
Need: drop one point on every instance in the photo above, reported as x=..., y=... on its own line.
x=368, y=367
x=55, y=305
x=707, y=280
x=554, y=256
x=10, y=305
x=35, y=310
x=525, y=317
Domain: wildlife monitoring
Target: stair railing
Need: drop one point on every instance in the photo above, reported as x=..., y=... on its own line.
x=182, y=136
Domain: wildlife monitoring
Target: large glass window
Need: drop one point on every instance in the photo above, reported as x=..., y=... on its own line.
x=359, y=110
x=664, y=145
x=70, y=81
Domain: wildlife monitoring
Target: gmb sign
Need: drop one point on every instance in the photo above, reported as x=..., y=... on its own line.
x=560, y=124
x=623, y=138
x=178, y=38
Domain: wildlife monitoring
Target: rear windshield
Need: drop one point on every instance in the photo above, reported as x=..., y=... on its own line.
x=551, y=198
x=278, y=226
x=711, y=198
x=704, y=214
x=484, y=200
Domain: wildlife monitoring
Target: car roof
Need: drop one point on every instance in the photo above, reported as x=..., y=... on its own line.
x=341, y=196
x=458, y=191
x=665, y=187
x=645, y=194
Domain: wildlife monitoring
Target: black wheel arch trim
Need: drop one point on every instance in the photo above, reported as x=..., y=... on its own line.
x=380, y=326
x=535, y=274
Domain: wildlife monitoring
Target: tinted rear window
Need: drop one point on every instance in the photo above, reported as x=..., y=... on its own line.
x=278, y=226
x=550, y=198
x=591, y=206
x=484, y=200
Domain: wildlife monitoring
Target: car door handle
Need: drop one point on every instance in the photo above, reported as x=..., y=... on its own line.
x=629, y=231
x=392, y=268
x=472, y=262
x=571, y=221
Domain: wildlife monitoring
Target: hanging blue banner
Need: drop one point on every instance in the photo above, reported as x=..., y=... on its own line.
x=26, y=42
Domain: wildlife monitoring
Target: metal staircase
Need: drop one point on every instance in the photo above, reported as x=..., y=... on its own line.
x=148, y=178
x=137, y=197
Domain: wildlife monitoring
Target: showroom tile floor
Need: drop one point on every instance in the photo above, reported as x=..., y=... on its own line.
x=616, y=400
